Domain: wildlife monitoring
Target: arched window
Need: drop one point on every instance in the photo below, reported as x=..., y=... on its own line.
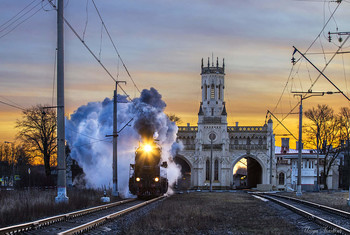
x=205, y=91
x=212, y=92
x=216, y=170
x=219, y=92
x=207, y=174
x=281, y=178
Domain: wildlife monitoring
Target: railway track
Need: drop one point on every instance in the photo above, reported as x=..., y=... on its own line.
x=334, y=220
x=78, y=221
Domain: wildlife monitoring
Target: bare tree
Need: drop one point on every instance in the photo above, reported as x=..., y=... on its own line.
x=324, y=133
x=37, y=128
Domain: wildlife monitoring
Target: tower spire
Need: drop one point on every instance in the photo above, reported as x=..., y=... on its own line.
x=202, y=63
x=217, y=62
x=208, y=63
x=223, y=64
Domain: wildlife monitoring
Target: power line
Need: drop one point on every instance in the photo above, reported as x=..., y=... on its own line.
x=14, y=103
x=91, y=52
x=306, y=52
x=84, y=134
x=115, y=48
x=21, y=21
x=14, y=106
x=17, y=14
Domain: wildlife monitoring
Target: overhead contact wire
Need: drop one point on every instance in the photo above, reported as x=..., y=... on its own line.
x=91, y=52
x=115, y=48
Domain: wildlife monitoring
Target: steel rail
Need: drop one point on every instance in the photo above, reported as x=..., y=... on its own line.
x=95, y=223
x=315, y=205
x=312, y=217
x=58, y=218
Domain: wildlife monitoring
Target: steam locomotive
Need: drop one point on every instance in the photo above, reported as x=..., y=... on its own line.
x=148, y=176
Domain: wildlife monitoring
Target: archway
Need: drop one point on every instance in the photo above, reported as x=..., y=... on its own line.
x=183, y=182
x=247, y=173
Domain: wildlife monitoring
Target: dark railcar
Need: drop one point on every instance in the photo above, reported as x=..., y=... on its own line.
x=148, y=175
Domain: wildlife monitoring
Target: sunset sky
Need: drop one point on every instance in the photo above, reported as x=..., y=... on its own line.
x=162, y=43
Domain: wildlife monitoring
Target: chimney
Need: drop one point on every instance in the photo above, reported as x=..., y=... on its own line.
x=285, y=145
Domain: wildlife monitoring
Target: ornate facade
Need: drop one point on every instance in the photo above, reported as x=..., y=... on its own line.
x=214, y=139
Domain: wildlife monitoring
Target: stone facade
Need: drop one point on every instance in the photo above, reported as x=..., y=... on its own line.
x=226, y=144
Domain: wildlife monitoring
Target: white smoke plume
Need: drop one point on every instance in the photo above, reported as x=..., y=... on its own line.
x=89, y=124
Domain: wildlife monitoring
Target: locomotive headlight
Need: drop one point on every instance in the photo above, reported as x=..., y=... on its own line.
x=147, y=148
x=138, y=179
x=156, y=179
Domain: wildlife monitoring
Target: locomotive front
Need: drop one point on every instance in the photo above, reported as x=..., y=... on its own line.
x=148, y=175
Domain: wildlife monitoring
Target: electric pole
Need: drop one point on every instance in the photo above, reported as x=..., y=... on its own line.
x=61, y=158
x=115, y=192
x=303, y=96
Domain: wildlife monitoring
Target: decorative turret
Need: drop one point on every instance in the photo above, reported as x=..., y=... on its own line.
x=224, y=113
x=212, y=108
x=200, y=113
x=213, y=69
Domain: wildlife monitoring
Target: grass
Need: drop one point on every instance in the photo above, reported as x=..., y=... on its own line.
x=23, y=206
x=211, y=213
x=333, y=199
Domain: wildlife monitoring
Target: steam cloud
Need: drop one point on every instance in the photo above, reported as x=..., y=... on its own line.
x=88, y=125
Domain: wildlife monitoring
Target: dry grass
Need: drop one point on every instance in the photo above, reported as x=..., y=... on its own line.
x=212, y=213
x=333, y=199
x=23, y=206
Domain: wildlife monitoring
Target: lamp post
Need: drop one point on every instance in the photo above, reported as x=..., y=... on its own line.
x=212, y=137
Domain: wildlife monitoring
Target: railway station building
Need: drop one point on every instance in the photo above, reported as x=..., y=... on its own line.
x=213, y=147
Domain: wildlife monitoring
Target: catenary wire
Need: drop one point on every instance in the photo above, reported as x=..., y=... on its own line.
x=91, y=52
x=115, y=48
x=21, y=22
x=17, y=14
x=14, y=106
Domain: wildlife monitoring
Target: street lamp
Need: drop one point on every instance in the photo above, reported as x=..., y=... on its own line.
x=212, y=137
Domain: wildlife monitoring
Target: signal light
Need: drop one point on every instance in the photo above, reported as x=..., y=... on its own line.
x=138, y=179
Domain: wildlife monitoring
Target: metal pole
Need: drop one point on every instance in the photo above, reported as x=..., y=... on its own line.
x=211, y=165
x=61, y=159
x=13, y=164
x=300, y=147
x=318, y=159
x=271, y=158
x=348, y=148
x=115, y=144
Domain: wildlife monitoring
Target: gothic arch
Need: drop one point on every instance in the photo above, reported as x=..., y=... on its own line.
x=185, y=159
x=184, y=182
x=262, y=163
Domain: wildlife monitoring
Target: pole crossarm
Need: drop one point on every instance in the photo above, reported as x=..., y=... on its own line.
x=296, y=50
